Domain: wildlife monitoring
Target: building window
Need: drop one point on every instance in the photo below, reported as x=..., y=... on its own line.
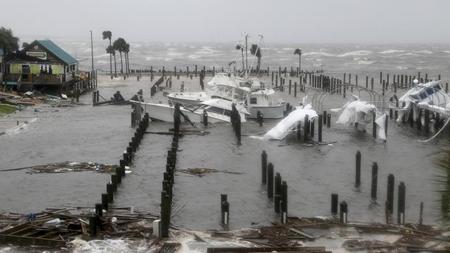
x=253, y=101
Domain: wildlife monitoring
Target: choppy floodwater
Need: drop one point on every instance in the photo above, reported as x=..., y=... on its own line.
x=100, y=134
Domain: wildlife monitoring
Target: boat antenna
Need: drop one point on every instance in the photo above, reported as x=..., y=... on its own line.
x=246, y=55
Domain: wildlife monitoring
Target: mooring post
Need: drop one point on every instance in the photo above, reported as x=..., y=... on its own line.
x=264, y=167
x=165, y=214
x=306, y=128
x=390, y=194
x=290, y=86
x=334, y=203
x=92, y=226
x=358, y=169
x=105, y=201
x=401, y=204
x=343, y=212
x=284, y=202
x=98, y=210
x=114, y=180
x=374, y=125
x=225, y=209
x=277, y=197
x=328, y=120
x=110, y=192
x=299, y=126
x=270, y=180
x=319, y=130
x=427, y=121
x=371, y=83
x=374, y=185
x=295, y=89
x=260, y=118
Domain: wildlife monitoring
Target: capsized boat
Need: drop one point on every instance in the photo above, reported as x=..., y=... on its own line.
x=426, y=95
x=290, y=122
x=217, y=110
x=359, y=114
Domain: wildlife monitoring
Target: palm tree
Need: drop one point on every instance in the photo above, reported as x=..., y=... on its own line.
x=8, y=41
x=110, y=50
x=127, y=60
x=299, y=52
x=119, y=45
x=256, y=51
x=108, y=35
x=240, y=47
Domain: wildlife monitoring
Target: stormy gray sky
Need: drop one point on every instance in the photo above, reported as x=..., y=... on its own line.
x=323, y=21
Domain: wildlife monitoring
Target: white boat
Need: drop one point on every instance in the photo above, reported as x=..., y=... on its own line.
x=289, y=124
x=426, y=95
x=248, y=91
x=263, y=101
x=218, y=110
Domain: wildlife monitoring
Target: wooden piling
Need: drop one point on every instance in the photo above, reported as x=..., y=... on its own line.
x=390, y=194
x=374, y=125
x=319, y=130
x=358, y=169
x=264, y=167
x=284, y=202
x=105, y=201
x=277, y=197
x=334, y=203
x=401, y=204
x=343, y=212
x=306, y=129
x=374, y=185
x=270, y=180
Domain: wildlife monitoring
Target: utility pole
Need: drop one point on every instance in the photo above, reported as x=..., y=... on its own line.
x=92, y=53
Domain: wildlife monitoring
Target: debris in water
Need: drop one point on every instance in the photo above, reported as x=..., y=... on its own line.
x=200, y=172
x=68, y=167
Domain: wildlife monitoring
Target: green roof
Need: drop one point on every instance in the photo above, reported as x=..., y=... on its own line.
x=57, y=51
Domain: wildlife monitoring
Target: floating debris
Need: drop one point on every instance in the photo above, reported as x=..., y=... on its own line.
x=200, y=172
x=65, y=167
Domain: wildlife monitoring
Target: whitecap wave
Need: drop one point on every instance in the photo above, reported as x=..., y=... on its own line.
x=365, y=62
x=319, y=54
x=356, y=53
x=392, y=51
x=423, y=52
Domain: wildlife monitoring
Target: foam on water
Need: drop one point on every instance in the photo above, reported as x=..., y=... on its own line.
x=109, y=246
x=356, y=53
x=318, y=53
x=392, y=51
x=423, y=52
x=20, y=128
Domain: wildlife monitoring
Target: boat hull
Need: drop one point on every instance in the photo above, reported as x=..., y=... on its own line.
x=269, y=112
x=164, y=112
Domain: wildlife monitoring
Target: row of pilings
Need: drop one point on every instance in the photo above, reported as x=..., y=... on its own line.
x=96, y=221
x=277, y=192
x=169, y=177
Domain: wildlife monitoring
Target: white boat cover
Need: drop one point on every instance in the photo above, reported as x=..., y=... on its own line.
x=288, y=124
